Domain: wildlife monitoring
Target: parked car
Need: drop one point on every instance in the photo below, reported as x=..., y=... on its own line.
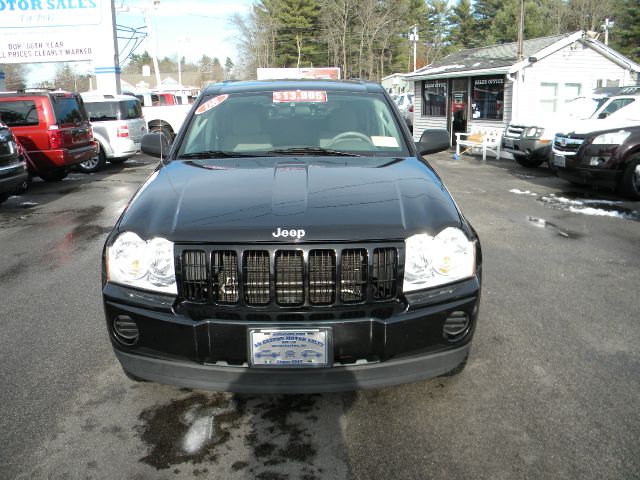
x=161, y=116
x=292, y=250
x=14, y=175
x=118, y=127
x=405, y=105
x=529, y=139
x=603, y=152
x=53, y=127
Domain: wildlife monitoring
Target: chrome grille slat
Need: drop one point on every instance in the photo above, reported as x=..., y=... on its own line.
x=384, y=273
x=322, y=277
x=353, y=284
x=224, y=274
x=289, y=267
x=195, y=281
x=256, y=277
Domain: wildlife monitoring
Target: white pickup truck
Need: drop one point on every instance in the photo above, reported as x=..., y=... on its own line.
x=161, y=115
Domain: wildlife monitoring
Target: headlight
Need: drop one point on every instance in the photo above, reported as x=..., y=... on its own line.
x=148, y=265
x=534, y=132
x=614, y=138
x=431, y=261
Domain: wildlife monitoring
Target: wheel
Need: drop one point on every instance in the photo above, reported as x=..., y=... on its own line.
x=529, y=161
x=53, y=175
x=459, y=368
x=630, y=182
x=118, y=161
x=96, y=163
x=165, y=131
x=24, y=186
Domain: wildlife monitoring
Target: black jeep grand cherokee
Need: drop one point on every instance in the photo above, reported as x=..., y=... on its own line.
x=292, y=240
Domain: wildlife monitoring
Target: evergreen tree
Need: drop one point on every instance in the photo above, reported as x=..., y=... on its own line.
x=625, y=35
x=464, y=31
x=485, y=11
x=504, y=28
x=228, y=68
x=299, y=21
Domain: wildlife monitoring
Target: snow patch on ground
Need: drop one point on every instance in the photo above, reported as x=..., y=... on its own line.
x=28, y=204
x=598, y=212
x=520, y=192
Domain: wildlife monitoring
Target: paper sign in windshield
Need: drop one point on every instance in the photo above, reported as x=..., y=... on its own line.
x=209, y=104
x=300, y=96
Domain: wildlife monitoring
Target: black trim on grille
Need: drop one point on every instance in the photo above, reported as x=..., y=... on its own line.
x=290, y=275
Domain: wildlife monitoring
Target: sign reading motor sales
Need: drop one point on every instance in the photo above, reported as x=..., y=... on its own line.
x=52, y=30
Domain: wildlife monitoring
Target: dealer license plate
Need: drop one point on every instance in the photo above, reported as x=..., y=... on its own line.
x=559, y=161
x=508, y=143
x=289, y=347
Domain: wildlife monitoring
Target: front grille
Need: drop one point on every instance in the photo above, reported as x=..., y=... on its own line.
x=514, y=130
x=570, y=144
x=289, y=276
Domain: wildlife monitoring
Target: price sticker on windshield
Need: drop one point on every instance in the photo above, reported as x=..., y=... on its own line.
x=209, y=104
x=300, y=96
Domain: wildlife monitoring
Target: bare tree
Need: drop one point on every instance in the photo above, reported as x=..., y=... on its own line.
x=589, y=14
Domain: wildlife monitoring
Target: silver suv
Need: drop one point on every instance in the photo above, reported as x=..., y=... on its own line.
x=118, y=127
x=405, y=105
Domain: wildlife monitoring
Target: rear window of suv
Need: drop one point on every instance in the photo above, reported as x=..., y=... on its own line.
x=67, y=110
x=19, y=113
x=117, y=110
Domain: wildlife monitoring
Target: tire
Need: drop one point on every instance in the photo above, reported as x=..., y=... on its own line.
x=118, y=161
x=24, y=186
x=53, y=175
x=93, y=165
x=459, y=368
x=630, y=182
x=165, y=131
x=529, y=161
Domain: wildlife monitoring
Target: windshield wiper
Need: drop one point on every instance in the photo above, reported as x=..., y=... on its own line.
x=312, y=151
x=217, y=154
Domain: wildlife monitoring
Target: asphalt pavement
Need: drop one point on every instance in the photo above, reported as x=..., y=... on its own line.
x=551, y=389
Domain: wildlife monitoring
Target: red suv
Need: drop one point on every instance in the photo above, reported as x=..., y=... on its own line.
x=53, y=127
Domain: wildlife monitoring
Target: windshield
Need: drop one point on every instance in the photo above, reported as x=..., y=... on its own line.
x=294, y=122
x=582, y=107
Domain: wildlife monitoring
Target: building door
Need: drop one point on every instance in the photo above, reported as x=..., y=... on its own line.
x=459, y=102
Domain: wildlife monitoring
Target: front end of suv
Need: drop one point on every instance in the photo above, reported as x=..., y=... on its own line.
x=13, y=164
x=607, y=158
x=261, y=267
x=527, y=144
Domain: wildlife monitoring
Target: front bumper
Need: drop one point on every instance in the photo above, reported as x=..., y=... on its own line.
x=526, y=147
x=373, y=345
x=12, y=177
x=577, y=169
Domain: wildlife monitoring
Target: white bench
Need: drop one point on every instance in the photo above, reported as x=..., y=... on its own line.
x=480, y=138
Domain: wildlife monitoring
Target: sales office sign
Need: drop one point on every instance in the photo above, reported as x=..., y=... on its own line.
x=49, y=30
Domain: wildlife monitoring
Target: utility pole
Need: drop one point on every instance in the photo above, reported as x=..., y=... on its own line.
x=606, y=26
x=413, y=38
x=521, y=33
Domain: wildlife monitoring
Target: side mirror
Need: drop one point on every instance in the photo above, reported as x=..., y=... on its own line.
x=155, y=144
x=433, y=140
x=602, y=115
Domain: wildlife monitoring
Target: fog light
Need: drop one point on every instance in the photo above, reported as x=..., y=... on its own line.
x=456, y=325
x=125, y=330
x=597, y=161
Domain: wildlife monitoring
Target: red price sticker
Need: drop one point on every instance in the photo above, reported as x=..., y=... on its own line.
x=300, y=96
x=209, y=104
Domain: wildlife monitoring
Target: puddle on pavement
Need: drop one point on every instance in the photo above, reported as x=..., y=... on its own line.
x=278, y=430
x=188, y=429
x=589, y=204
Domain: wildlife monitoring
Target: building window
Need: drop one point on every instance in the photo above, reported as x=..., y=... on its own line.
x=434, y=98
x=571, y=91
x=549, y=97
x=488, y=98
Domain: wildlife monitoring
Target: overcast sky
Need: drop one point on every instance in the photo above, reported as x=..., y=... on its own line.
x=188, y=27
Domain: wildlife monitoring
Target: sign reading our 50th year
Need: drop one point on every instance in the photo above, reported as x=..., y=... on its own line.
x=33, y=31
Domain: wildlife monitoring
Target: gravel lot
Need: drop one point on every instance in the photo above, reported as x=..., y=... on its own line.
x=551, y=389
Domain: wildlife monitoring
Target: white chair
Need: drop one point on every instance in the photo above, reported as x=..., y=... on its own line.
x=480, y=138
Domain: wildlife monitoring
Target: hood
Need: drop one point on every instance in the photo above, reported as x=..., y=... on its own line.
x=626, y=117
x=249, y=200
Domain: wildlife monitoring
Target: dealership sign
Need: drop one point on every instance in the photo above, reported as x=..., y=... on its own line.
x=34, y=31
